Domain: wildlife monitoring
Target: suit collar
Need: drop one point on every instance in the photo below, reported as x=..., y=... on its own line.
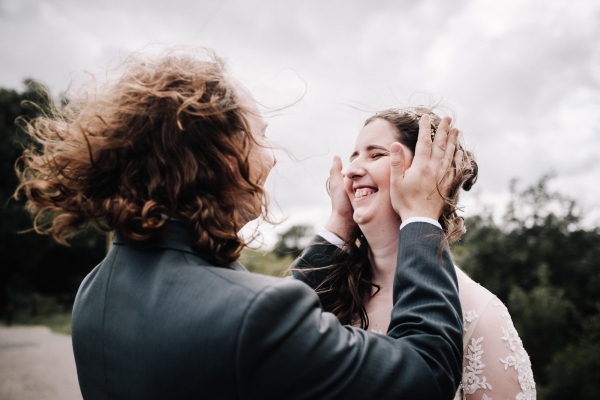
x=175, y=236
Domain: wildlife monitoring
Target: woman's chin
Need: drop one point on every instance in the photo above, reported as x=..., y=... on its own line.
x=381, y=218
x=362, y=218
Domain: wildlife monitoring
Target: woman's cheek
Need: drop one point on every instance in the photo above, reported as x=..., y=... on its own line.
x=348, y=187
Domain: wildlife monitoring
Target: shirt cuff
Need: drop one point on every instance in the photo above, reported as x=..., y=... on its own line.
x=331, y=238
x=420, y=219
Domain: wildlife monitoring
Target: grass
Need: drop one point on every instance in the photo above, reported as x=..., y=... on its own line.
x=58, y=323
x=266, y=263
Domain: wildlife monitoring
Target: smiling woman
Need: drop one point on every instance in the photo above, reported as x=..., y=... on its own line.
x=356, y=284
x=367, y=186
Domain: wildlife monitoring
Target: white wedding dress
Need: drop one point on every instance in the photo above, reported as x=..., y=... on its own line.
x=495, y=365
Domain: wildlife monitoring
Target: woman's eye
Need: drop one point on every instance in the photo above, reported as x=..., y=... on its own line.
x=377, y=155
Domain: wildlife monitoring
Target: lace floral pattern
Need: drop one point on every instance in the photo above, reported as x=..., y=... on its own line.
x=472, y=375
x=469, y=317
x=519, y=360
x=492, y=348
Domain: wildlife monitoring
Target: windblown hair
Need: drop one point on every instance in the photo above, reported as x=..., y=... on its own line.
x=348, y=284
x=169, y=138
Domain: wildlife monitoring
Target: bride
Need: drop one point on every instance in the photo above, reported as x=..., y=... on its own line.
x=355, y=283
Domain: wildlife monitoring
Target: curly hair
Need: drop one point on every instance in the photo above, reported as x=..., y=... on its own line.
x=169, y=138
x=348, y=284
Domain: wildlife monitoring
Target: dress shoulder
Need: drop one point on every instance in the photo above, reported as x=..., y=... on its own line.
x=496, y=365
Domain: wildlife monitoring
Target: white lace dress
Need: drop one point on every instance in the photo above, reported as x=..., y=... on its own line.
x=495, y=365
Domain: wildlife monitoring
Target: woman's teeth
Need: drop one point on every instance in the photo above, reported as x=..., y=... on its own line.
x=363, y=192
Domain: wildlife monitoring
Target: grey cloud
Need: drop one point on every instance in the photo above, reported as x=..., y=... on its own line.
x=508, y=88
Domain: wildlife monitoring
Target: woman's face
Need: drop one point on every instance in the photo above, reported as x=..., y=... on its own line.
x=367, y=179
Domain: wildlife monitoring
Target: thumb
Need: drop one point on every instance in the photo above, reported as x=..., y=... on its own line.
x=336, y=168
x=397, y=162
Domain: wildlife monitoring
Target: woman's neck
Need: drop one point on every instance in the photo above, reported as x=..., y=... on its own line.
x=383, y=246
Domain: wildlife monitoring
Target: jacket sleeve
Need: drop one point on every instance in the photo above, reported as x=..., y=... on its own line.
x=289, y=348
x=313, y=266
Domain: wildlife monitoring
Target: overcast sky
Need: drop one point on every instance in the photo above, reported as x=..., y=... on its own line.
x=522, y=76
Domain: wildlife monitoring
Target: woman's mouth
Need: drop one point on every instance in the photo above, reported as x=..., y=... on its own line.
x=363, y=192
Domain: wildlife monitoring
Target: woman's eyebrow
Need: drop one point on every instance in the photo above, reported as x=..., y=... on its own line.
x=369, y=148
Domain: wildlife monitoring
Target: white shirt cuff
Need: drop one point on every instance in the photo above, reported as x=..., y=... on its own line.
x=335, y=240
x=420, y=219
x=331, y=238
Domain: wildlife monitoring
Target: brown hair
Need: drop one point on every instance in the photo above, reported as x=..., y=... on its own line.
x=168, y=138
x=349, y=283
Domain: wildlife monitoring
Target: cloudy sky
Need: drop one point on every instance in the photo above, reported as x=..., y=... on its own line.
x=521, y=76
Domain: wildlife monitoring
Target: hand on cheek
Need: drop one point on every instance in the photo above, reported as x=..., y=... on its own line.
x=415, y=191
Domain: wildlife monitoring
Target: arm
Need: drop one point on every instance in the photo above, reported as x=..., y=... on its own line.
x=496, y=364
x=289, y=348
x=311, y=266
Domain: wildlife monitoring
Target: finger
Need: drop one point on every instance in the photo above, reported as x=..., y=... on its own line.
x=335, y=173
x=336, y=167
x=396, y=164
x=451, y=172
x=450, y=147
x=440, y=139
x=458, y=159
x=423, y=148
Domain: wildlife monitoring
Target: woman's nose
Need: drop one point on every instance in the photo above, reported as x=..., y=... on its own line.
x=354, y=170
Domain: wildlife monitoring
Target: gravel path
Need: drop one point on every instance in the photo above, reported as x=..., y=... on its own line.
x=36, y=364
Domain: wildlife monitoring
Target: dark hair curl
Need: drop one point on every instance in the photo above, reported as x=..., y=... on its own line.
x=348, y=283
x=169, y=138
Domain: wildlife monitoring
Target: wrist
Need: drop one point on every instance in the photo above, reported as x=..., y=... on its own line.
x=340, y=226
x=419, y=213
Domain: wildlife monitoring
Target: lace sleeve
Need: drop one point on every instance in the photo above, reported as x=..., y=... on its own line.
x=496, y=366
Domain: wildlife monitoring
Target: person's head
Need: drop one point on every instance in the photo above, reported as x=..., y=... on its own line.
x=173, y=136
x=349, y=281
x=368, y=175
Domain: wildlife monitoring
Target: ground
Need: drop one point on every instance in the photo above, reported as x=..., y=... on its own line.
x=36, y=364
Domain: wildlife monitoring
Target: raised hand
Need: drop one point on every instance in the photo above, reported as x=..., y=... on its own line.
x=418, y=190
x=340, y=222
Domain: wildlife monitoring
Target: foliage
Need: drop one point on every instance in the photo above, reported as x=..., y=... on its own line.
x=35, y=309
x=266, y=263
x=58, y=322
x=32, y=263
x=543, y=265
x=292, y=241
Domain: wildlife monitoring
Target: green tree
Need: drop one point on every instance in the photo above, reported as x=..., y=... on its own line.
x=544, y=265
x=30, y=262
x=292, y=241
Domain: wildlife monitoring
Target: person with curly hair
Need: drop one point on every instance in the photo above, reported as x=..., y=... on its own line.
x=172, y=157
x=356, y=281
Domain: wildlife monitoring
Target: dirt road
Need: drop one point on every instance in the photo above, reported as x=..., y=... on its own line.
x=36, y=364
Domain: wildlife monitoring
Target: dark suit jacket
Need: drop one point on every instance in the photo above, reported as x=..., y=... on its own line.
x=167, y=324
